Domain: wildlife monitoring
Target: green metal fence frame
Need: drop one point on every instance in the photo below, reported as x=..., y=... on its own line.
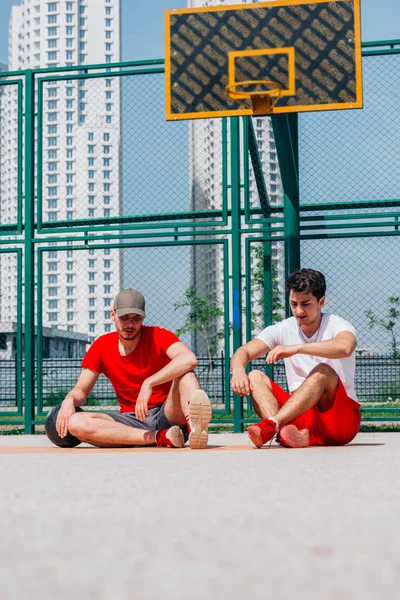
x=234, y=224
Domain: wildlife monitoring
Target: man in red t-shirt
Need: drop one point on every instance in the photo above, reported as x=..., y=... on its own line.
x=151, y=371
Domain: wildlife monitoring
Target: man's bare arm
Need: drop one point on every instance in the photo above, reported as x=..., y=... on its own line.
x=183, y=360
x=76, y=397
x=240, y=382
x=341, y=346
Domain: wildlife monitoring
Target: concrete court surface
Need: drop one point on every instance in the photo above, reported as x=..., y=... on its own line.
x=230, y=522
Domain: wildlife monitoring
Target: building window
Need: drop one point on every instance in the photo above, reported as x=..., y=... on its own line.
x=106, y=161
x=52, y=154
x=108, y=22
x=52, y=278
x=106, y=174
x=106, y=137
x=108, y=119
x=91, y=161
x=108, y=10
x=107, y=301
x=52, y=316
x=69, y=202
x=51, y=31
x=69, y=30
x=107, y=251
x=92, y=289
x=52, y=116
x=52, y=166
x=70, y=178
x=91, y=186
x=69, y=128
x=106, y=212
x=107, y=289
x=70, y=316
x=52, y=191
x=107, y=264
x=68, y=6
x=92, y=314
x=106, y=187
x=92, y=275
x=52, y=43
x=107, y=276
x=52, y=204
x=70, y=278
x=52, y=55
x=70, y=303
x=92, y=301
x=91, y=174
x=107, y=327
x=108, y=35
x=91, y=263
x=90, y=148
x=53, y=304
x=52, y=216
x=53, y=291
x=69, y=91
x=90, y=212
x=52, y=19
x=70, y=266
x=91, y=327
x=70, y=291
x=106, y=199
x=68, y=18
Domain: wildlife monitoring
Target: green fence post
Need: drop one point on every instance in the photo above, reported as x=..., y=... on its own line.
x=236, y=260
x=286, y=138
x=29, y=200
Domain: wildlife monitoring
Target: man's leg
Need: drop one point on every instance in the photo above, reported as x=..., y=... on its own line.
x=319, y=389
x=186, y=402
x=264, y=402
x=102, y=430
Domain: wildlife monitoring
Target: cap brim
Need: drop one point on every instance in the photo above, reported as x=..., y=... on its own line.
x=120, y=312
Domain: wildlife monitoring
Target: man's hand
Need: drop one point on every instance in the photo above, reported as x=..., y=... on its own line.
x=241, y=383
x=282, y=352
x=67, y=409
x=141, y=408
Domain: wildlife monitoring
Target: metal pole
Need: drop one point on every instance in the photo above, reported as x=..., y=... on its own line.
x=236, y=260
x=29, y=199
x=286, y=138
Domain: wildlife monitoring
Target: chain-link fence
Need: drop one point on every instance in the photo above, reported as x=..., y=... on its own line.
x=98, y=192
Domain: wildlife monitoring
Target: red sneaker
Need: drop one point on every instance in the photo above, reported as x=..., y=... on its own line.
x=170, y=438
x=262, y=432
x=291, y=437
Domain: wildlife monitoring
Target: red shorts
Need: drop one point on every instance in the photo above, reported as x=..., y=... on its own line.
x=334, y=427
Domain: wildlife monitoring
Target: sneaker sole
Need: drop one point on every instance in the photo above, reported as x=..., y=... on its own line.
x=200, y=413
x=294, y=438
x=175, y=436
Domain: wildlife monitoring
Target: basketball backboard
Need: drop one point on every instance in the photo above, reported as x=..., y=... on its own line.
x=311, y=50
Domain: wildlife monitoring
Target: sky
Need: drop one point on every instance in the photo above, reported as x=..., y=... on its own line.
x=143, y=25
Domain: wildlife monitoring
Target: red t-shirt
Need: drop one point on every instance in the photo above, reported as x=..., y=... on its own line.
x=127, y=373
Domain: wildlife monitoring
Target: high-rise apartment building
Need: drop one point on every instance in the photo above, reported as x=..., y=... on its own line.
x=205, y=141
x=81, y=139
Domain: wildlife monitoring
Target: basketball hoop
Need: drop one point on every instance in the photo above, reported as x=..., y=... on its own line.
x=262, y=101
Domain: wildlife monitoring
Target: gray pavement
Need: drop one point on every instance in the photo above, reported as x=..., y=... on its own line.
x=229, y=522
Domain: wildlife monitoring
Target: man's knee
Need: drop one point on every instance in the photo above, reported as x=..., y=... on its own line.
x=324, y=371
x=258, y=377
x=80, y=423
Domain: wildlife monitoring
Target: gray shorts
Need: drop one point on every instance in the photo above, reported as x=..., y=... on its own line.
x=155, y=420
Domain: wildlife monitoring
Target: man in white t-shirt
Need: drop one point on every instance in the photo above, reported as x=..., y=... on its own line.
x=318, y=350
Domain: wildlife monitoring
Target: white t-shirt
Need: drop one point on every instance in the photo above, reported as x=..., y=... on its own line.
x=297, y=367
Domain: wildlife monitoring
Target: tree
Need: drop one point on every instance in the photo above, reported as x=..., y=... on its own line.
x=203, y=313
x=258, y=290
x=388, y=322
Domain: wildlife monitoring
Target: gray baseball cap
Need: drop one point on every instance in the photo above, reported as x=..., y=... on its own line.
x=129, y=301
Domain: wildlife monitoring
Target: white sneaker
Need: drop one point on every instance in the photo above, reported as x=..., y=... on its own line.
x=200, y=413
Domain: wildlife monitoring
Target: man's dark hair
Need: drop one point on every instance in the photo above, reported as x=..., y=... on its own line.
x=307, y=281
